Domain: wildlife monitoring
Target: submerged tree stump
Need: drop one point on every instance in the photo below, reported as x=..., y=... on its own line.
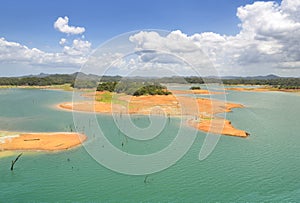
x=14, y=161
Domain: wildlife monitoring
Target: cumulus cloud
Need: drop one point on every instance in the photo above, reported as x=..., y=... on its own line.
x=12, y=52
x=176, y=41
x=78, y=48
x=62, y=25
x=71, y=57
x=291, y=7
x=62, y=41
x=73, y=54
x=268, y=41
x=176, y=48
x=272, y=31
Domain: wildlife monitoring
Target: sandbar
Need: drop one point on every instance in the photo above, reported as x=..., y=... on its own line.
x=219, y=126
x=40, y=141
x=203, y=110
x=195, y=92
x=262, y=89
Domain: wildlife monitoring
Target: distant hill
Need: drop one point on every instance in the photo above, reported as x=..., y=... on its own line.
x=96, y=77
x=41, y=75
x=267, y=77
x=82, y=80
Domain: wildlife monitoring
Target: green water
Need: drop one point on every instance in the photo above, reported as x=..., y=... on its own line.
x=263, y=167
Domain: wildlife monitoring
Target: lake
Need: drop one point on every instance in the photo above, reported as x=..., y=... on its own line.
x=262, y=167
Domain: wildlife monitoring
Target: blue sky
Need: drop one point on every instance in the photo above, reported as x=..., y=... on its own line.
x=30, y=23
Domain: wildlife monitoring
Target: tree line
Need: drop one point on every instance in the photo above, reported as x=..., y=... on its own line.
x=57, y=79
x=81, y=80
x=281, y=83
x=134, y=88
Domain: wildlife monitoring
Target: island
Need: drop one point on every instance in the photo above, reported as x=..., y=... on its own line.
x=157, y=100
x=114, y=95
x=56, y=141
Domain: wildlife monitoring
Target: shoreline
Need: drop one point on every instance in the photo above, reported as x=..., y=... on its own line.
x=254, y=88
x=213, y=126
x=65, y=87
x=43, y=141
x=262, y=89
x=204, y=110
x=196, y=92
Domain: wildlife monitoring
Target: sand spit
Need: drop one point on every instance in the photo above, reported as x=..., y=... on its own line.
x=41, y=141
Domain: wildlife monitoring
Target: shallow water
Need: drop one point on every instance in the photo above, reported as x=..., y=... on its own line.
x=263, y=167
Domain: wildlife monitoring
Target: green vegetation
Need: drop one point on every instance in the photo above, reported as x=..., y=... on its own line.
x=107, y=86
x=78, y=80
x=131, y=85
x=280, y=83
x=195, y=88
x=152, y=90
x=65, y=87
x=109, y=97
x=106, y=97
x=133, y=88
x=57, y=79
x=196, y=80
x=80, y=84
x=91, y=81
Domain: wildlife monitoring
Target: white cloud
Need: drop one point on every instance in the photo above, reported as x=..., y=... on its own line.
x=176, y=41
x=176, y=48
x=62, y=25
x=12, y=52
x=266, y=19
x=15, y=52
x=78, y=48
x=291, y=7
x=268, y=42
x=72, y=55
x=62, y=41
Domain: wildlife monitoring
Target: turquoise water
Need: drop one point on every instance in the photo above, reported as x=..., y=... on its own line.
x=263, y=167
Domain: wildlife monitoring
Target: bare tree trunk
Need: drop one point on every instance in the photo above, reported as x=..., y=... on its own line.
x=14, y=161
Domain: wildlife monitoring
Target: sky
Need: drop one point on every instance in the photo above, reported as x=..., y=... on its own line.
x=240, y=37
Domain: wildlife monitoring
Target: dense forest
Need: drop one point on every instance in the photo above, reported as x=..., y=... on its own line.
x=280, y=83
x=134, y=88
x=81, y=80
x=57, y=79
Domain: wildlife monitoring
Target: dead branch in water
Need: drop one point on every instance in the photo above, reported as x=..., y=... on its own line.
x=14, y=161
x=146, y=179
x=34, y=139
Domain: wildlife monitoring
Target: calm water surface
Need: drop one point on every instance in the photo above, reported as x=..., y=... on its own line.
x=263, y=167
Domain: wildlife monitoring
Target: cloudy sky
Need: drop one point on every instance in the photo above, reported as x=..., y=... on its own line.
x=240, y=37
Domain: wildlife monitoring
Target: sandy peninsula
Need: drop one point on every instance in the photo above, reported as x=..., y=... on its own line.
x=204, y=111
x=219, y=126
x=40, y=141
x=262, y=89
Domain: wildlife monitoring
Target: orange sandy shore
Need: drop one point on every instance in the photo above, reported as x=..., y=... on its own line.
x=242, y=89
x=262, y=89
x=41, y=141
x=219, y=126
x=195, y=92
x=203, y=110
